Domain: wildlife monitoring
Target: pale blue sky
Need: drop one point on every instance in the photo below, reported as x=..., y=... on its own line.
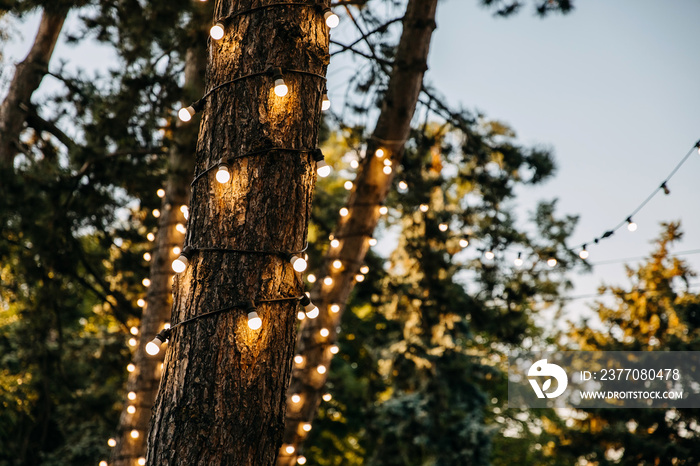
x=612, y=88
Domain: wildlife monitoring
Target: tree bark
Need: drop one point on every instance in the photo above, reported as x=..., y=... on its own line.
x=222, y=394
x=143, y=382
x=26, y=80
x=370, y=190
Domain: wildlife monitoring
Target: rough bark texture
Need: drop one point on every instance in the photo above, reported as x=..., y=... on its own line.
x=222, y=394
x=28, y=76
x=371, y=187
x=144, y=380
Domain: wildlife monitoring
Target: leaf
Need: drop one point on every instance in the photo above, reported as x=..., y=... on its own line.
x=546, y=385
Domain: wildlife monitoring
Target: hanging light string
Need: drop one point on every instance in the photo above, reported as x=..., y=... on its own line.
x=295, y=258
x=277, y=73
x=629, y=219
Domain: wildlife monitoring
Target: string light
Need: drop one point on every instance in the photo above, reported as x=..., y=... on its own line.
x=311, y=310
x=301, y=315
x=131, y=409
x=464, y=242
x=324, y=332
x=299, y=359
x=131, y=396
x=146, y=282
x=331, y=18
x=176, y=250
x=423, y=208
x=298, y=263
x=156, y=213
x=142, y=461
x=147, y=256
x=290, y=449
x=150, y=237
x=132, y=342
x=364, y=269
x=223, y=175
x=665, y=188
x=185, y=211
x=518, y=260
x=403, y=185
x=281, y=88
x=306, y=427
x=383, y=210
x=217, y=31
x=141, y=302
x=180, y=264
x=359, y=278
x=135, y=434
x=103, y=463
x=584, y=253
x=631, y=226
x=153, y=347
x=334, y=349
x=489, y=255
x=322, y=168
x=328, y=281
x=311, y=278
x=335, y=243
x=111, y=442
x=387, y=170
x=327, y=397
x=325, y=101
x=354, y=164
x=321, y=369
x=337, y=264
x=134, y=330
x=335, y=308
x=379, y=153
x=301, y=460
x=344, y=212
x=348, y=185
x=551, y=262
x=254, y=321
x=443, y=227
x=295, y=398
x=160, y=193
x=130, y=367
x=372, y=241
x=181, y=228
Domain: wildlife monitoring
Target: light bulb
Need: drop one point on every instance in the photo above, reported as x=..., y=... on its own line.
x=364, y=269
x=185, y=211
x=334, y=349
x=156, y=213
x=335, y=308
x=217, y=31
x=442, y=227
x=176, y=250
x=313, y=313
x=296, y=398
x=372, y=241
x=186, y=113
x=290, y=449
x=323, y=169
x=298, y=263
x=103, y=463
x=383, y=210
x=337, y=264
x=153, y=347
x=133, y=342
x=631, y=226
x=379, y=153
x=130, y=367
x=325, y=103
x=131, y=409
x=583, y=254
x=463, y=243
x=166, y=325
x=147, y=256
x=131, y=395
x=146, y=282
x=111, y=442
x=141, y=302
x=321, y=369
x=328, y=281
x=311, y=278
x=180, y=264
x=150, y=237
x=403, y=186
x=134, y=433
x=160, y=193
x=301, y=460
x=324, y=332
x=335, y=243
x=306, y=427
x=331, y=18
x=301, y=315
x=344, y=211
x=181, y=228
x=551, y=262
x=222, y=174
x=254, y=321
x=359, y=278
x=489, y=255
x=327, y=397
x=281, y=88
x=387, y=170
x=299, y=359
x=348, y=185
x=142, y=461
x=134, y=330
x=423, y=207
x=354, y=164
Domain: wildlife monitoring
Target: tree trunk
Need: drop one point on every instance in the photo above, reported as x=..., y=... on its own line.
x=222, y=394
x=370, y=190
x=143, y=381
x=28, y=76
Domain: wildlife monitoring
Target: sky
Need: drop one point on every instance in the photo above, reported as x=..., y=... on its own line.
x=612, y=88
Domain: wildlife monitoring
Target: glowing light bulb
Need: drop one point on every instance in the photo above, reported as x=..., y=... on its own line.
x=311, y=278
x=134, y=330
x=181, y=228
x=217, y=31
x=142, y=461
x=364, y=269
x=359, y=278
x=131, y=395
x=141, y=302
x=403, y=186
x=176, y=250
x=150, y=237
x=301, y=460
x=299, y=359
x=146, y=282
x=313, y=313
x=103, y=463
x=135, y=433
x=331, y=18
x=334, y=349
x=131, y=409
x=298, y=263
x=156, y=213
x=518, y=261
x=551, y=262
x=131, y=367
x=147, y=256
x=379, y=153
x=463, y=243
x=324, y=332
x=132, y=342
x=489, y=255
x=160, y=193
x=348, y=185
x=328, y=281
x=325, y=103
x=321, y=369
x=186, y=113
x=631, y=226
x=442, y=227
x=423, y=207
x=290, y=449
x=337, y=264
x=111, y=442
x=306, y=427
x=387, y=170
x=296, y=398
x=301, y=315
x=222, y=174
x=323, y=169
x=281, y=88
x=584, y=253
x=383, y=210
x=180, y=264
x=185, y=211
x=372, y=241
x=344, y=211
x=354, y=164
x=327, y=397
x=335, y=308
x=254, y=321
x=335, y=243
